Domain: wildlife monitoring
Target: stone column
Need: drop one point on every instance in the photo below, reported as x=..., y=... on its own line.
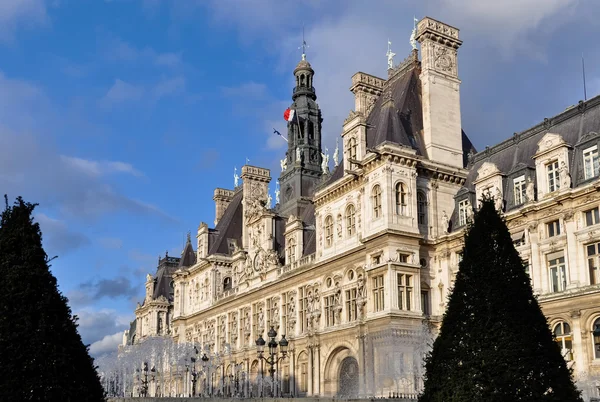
x=578, y=346
x=318, y=364
x=309, y=391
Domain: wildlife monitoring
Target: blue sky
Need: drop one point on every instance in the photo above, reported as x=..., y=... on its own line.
x=121, y=117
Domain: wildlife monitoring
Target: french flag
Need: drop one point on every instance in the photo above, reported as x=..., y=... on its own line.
x=289, y=114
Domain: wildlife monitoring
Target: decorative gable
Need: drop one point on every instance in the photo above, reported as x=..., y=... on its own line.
x=489, y=181
x=549, y=143
x=552, y=165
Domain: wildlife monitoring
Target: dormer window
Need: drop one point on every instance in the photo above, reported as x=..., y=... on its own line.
x=350, y=220
x=553, y=175
x=463, y=212
x=226, y=284
x=590, y=162
x=421, y=208
x=352, y=147
x=376, y=198
x=328, y=231
x=519, y=189
x=291, y=250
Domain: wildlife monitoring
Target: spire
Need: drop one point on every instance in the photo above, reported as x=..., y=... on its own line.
x=189, y=237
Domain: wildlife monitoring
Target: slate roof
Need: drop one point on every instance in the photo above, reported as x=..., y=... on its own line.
x=309, y=234
x=228, y=227
x=572, y=124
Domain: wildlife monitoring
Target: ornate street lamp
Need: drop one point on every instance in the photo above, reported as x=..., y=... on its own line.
x=272, y=359
x=204, y=359
x=194, y=372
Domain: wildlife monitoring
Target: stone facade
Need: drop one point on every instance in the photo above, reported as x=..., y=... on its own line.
x=354, y=266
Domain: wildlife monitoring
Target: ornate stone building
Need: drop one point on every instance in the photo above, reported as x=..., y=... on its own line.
x=354, y=266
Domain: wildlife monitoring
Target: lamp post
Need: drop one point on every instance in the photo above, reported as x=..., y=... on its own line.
x=204, y=359
x=194, y=372
x=272, y=359
x=144, y=381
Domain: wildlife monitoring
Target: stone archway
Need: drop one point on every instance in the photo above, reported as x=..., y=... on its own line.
x=348, y=378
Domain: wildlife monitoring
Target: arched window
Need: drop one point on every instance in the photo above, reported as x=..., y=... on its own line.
x=291, y=250
x=421, y=208
x=328, y=231
x=562, y=334
x=352, y=148
x=226, y=283
x=350, y=220
x=400, y=199
x=376, y=200
x=596, y=338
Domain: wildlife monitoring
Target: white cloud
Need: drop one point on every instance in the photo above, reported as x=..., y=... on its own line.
x=99, y=168
x=168, y=87
x=122, y=91
x=58, y=238
x=18, y=13
x=108, y=344
x=94, y=325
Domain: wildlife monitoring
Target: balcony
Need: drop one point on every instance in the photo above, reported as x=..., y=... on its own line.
x=304, y=261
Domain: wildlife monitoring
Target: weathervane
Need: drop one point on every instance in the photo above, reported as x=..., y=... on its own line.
x=304, y=45
x=390, y=55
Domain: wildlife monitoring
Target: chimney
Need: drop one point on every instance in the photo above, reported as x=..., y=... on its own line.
x=440, y=89
x=256, y=190
x=222, y=198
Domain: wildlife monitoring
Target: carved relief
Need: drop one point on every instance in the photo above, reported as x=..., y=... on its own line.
x=443, y=59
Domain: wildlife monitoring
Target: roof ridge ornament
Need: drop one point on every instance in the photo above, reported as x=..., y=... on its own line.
x=304, y=45
x=413, y=35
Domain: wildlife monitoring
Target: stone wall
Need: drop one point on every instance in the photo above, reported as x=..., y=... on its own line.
x=255, y=399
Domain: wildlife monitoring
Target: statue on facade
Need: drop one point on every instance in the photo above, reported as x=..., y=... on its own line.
x=283, y=164
x=336, y=153
x=413, y=35
x=277, y=192
x=298, y=155
x=565, y=177
x=390, y=55
x=275, y=322
x=261, y=320
x=445, y=222
x=360, y=287
x=324, y=160
x=317, y=303
x=469, y=211
x=236, y=178
x=269, y=200
x=498, y=200
x=530, y=190
x=247, y=322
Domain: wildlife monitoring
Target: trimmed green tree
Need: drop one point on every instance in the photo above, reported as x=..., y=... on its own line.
x=42, y=357
x=494, y=344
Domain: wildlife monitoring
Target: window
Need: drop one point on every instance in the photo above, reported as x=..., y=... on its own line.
x=376, y=200
x=590, y=162
x=330, y=311
x=302, y=309
x=291, y=250
x=562, y=335
x=351, y=311
x=227, y=283
x=593, y=257
x=592, y=217
x=376, y=259
x=425, y=302
x=421, y=208
x=255, y=330
x=596, y=338
x=284, y=312
x=328, y=231
x=519, y=188
x=405, y=291
x=350, y=220
x=352, y=148
x=462, y=212
x=403, y=257
x=231, y=334
x=303, y=377
x=553, y=228
x=378, y=295
x=400, y=199
x=558, y=276
x=552, y=171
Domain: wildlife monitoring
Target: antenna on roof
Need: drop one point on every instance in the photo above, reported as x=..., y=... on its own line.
x=583, y=71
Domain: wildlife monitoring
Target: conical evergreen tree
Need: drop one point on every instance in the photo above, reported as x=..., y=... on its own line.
x=42, y=357
x=495, y=344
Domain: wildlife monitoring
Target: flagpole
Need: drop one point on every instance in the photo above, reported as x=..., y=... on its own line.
x=583, y=71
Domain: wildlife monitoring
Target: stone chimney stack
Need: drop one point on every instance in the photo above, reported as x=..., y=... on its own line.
x=255, y=186
x=222, y=198
x=440, y=88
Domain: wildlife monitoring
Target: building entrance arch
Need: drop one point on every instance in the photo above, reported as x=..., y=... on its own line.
x=348, y=378
x=341, y=374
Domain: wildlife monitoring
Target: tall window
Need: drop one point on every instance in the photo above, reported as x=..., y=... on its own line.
x=558, y=275
x=425, y=302
x=553, y=228
x=330, y=311
x=400, y=199
x=519, y=188
x=302, y=309
x=462, y=212
x=376, y=199
x=562, y=335
x=590, y=162
x=351, y=311
x=284, y=310
x=272, y=316
x=405, y=291
x=303, y=375
x=232, y=335
x=352, y=151
x=592, y=217
x=378, y=293
x=350, y=220
x=593, y=257
x=328, y=231
x=291, y=250
x=421, y=208
x=255, y=330
x=553, y=176
x=595, y=339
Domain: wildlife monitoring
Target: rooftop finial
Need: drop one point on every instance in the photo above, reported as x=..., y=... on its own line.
x=189, y=237
x=304, y=45
x=390, y=55
x=413, y=35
